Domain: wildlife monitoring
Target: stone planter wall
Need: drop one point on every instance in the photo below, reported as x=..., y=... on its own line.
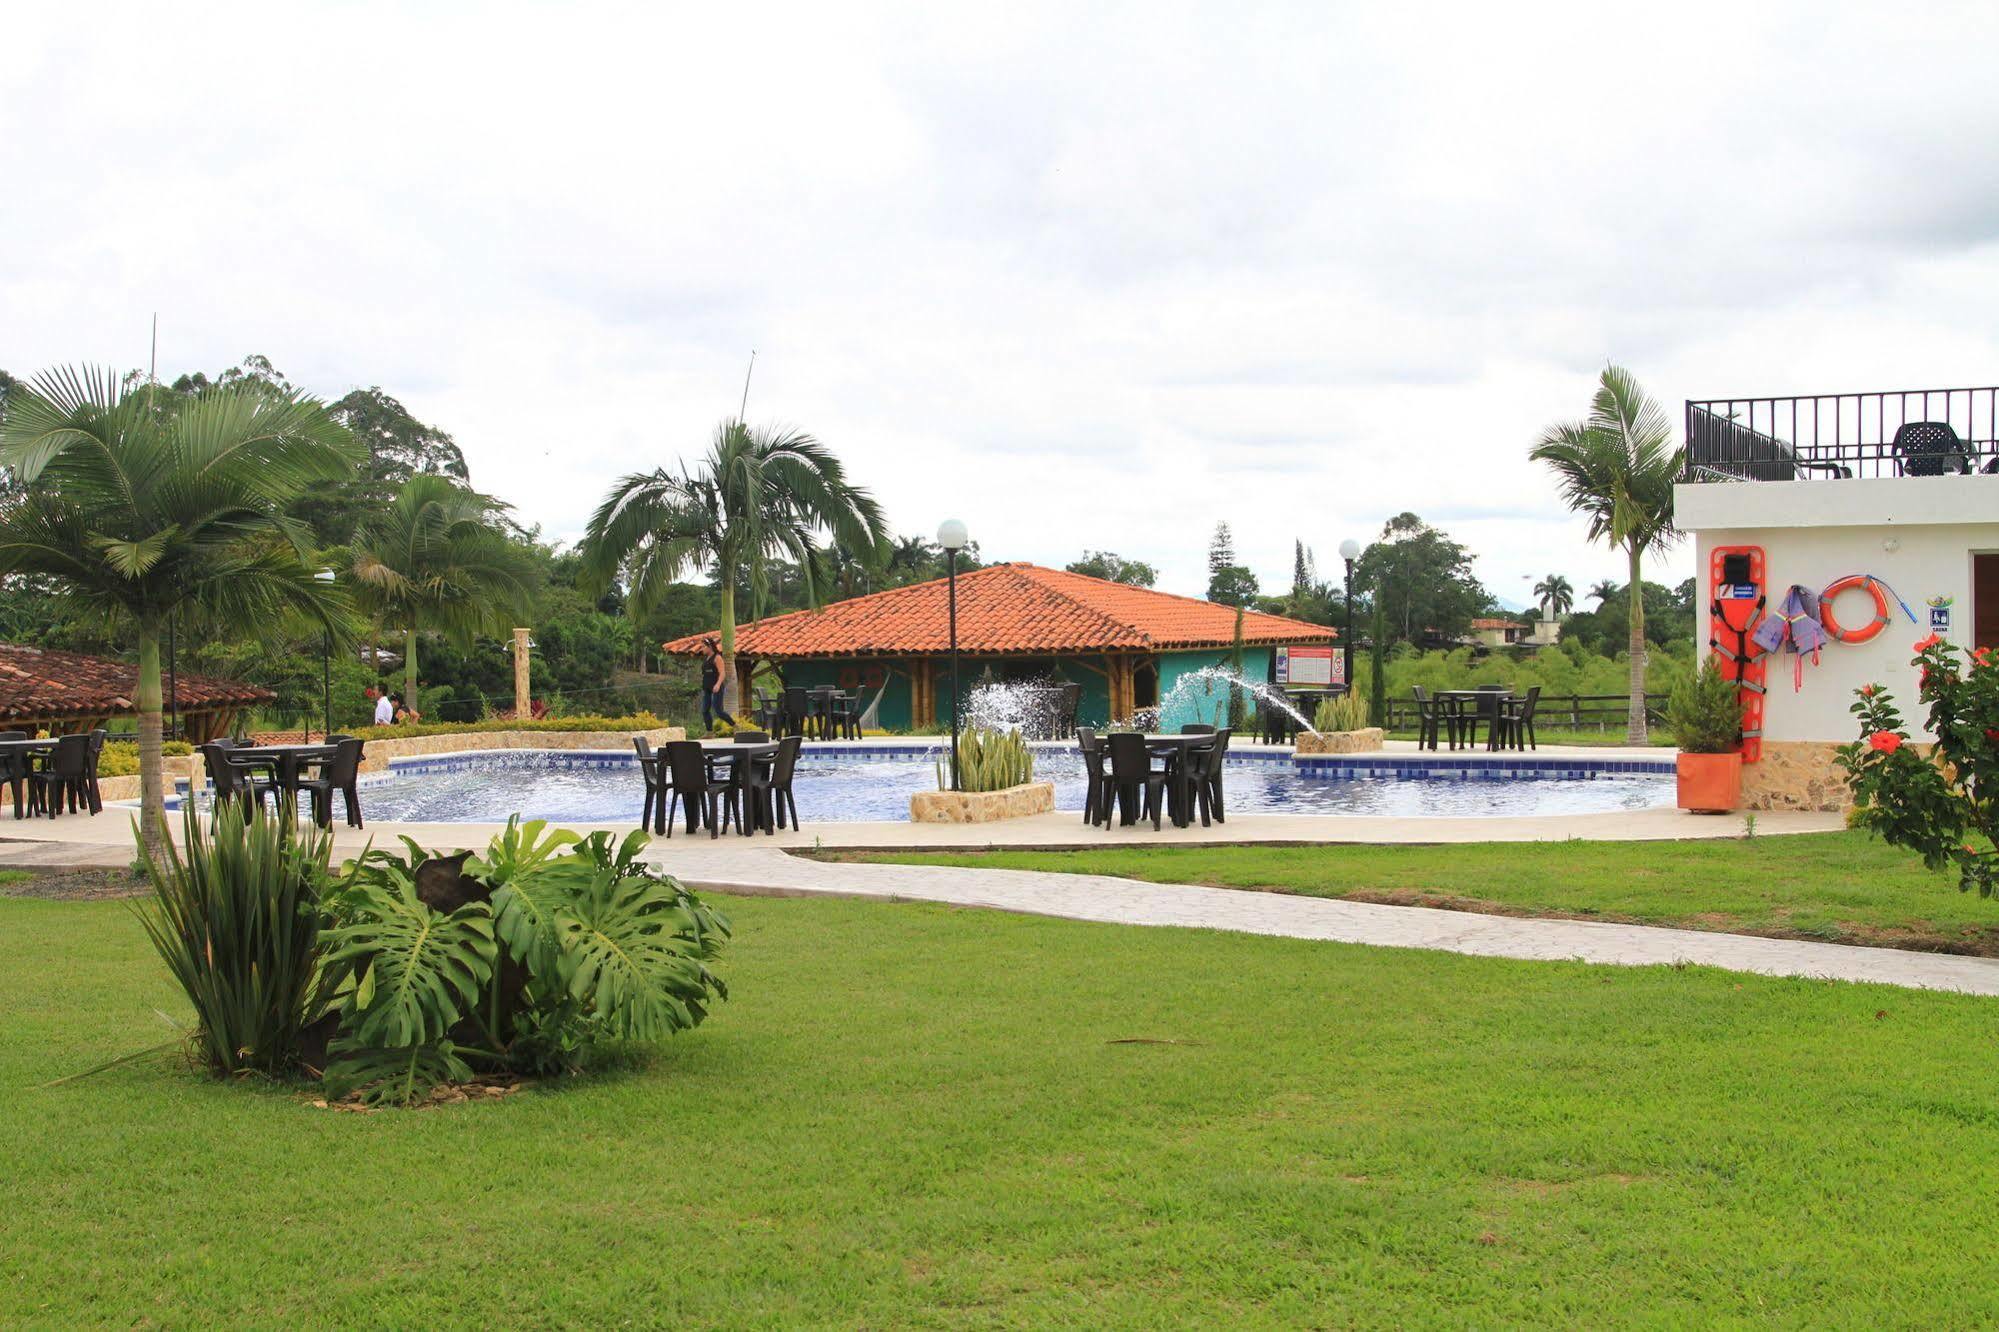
x=1796, y=774
x=1339, y=742
x=1015, y=802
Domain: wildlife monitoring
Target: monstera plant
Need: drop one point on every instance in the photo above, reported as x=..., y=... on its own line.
x=523, y=960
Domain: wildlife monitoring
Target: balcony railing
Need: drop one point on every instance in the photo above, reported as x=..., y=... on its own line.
x=1914, y=432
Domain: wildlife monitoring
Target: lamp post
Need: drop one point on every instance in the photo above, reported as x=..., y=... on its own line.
x=1349, y=551
x=951, y=536
x=326, y=662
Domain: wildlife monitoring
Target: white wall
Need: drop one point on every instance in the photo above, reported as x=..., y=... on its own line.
x=1813, y=532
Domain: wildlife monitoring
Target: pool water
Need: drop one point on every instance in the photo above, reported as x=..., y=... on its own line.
x=576, y=788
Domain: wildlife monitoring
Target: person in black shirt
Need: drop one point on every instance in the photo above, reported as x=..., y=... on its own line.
x=711, y=683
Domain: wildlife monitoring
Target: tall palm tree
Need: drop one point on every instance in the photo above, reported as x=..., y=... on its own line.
x=1556, y=595
x=759, y=496
x=1602, y=593
x=1617, y=467
x=437, y=560
x=138, y=502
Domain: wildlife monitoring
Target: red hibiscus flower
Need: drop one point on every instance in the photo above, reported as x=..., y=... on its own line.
x=1992, y=735
x=1926, y=644
x=1885, y=741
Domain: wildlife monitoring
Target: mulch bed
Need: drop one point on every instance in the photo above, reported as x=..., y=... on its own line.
x=76, y=885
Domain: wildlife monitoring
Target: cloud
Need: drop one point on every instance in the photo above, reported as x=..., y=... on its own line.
x=1088, y=277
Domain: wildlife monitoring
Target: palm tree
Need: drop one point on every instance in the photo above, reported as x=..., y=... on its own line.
x=436, y=559
x=758, y=497
x=1556, y=595
x=1602, y=593
x=1617, y=467
x=138, y=502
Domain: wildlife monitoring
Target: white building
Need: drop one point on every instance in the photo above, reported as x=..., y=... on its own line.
x=1902, y=487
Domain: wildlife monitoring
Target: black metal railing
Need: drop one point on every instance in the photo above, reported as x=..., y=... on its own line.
x=1901, y=432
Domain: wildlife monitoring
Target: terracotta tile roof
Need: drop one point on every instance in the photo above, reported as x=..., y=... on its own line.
x=1011, y=608
x=1496, y=624
x=38, y=682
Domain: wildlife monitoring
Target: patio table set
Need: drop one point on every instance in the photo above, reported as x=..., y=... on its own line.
x=1456, y=716
x=1147, y=776
x=819, y=712
x=251, y=773
x=745, y=780
x=51, y=776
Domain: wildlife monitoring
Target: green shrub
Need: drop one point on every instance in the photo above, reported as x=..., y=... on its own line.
x=121, y=757
x=1348, y=712
x=1706, y=712
x=526, y=959
x=642, y=721
x=236, y=918
x=988, y=760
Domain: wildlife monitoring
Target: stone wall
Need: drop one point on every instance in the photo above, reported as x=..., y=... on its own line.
x=1796, y=774
x=378, y=752
x=1339, y=742
x=1015, y=802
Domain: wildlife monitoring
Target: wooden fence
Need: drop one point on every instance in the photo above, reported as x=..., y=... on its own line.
x=1574, y=712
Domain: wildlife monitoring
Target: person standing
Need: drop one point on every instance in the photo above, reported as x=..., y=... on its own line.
x=711, y=683
x=385, y=709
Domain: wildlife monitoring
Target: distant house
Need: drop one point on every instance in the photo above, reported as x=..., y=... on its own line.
x=1127, y=646
x=1492, y=632
x=41, y=689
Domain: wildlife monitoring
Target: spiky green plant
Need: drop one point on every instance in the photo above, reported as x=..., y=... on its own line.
x=1348, y=712
x=236, y=918
x=989, y=760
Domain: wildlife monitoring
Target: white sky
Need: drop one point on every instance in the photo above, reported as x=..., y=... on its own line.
x=1080, y=275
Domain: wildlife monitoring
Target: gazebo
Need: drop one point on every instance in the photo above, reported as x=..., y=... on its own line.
x=1125, y=645
x=68, y=691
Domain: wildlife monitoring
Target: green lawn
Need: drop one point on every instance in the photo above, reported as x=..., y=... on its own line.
x=1844, y=887
x=911, y=1115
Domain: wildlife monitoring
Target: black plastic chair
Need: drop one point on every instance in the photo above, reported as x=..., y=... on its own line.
x=60, y=779
x=649, y=768
x=1929, y=448
x=1093, y=772
x=1431, y=719
x=1138, y=787
x=845, y=715
x=770, y=786
x=233, y=780
x=1068, y=710
x=1197, y=728
x=90, y=788
x=796, y=710
x=751, y=738
x=342, y=773
x=14, y=769
x=706, y=799
x=1516, y=719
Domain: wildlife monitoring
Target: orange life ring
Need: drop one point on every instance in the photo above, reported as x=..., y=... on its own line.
x=1833, y=628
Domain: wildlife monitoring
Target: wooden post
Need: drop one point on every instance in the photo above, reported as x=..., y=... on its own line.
x=523, y=696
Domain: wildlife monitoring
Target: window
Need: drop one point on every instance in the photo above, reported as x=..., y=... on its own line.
x=1985, y=601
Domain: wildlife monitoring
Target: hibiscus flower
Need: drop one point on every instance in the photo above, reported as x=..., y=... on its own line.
x=1885, y=741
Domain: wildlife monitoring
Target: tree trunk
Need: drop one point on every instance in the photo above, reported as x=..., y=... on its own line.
x=728, y=662
x=1634, y=727
x=152, y=788
x=409, y=668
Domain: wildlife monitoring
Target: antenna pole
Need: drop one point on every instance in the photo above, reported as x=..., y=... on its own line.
x=153, y=365
x=741, y=411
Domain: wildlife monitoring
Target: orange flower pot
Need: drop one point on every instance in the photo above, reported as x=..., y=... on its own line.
x=1710, y=783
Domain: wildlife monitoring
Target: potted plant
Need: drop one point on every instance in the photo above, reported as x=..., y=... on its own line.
x=1706, y=716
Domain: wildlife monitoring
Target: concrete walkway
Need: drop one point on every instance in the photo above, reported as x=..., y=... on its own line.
x=739, y=868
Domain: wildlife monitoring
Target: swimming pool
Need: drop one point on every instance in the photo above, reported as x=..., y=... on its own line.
x=837, y=784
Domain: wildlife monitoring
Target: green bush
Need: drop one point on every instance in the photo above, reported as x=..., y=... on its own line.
x=1348, y=712
x=988, y=760
x=121, y=757
x=642, y=721
x=526, y=959
x=1706, y=713
x=236, y=918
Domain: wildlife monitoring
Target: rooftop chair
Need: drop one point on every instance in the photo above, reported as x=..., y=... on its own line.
x=1929, y=448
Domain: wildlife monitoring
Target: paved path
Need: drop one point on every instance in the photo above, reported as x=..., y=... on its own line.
x=746, y=869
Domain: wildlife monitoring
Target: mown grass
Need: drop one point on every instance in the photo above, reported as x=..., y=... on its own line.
x=1843, y=887
x=916, y=1116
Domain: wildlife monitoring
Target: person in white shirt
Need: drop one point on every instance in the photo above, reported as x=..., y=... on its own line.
x=385, y=711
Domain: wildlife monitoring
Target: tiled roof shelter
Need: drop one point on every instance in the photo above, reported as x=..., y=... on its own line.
x=67, y=691
x=1125, y=643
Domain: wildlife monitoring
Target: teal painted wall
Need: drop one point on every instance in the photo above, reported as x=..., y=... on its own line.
x=1197, y=704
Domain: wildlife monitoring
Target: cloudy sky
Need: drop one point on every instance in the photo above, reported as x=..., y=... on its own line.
x=1083, y=276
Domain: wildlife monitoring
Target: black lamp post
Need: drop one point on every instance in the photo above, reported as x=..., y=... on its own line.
x=1349, y=551
x=951, y=536
x=326, y=662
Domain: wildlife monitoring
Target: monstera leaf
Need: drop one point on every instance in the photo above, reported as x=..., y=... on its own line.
x=393, y=1077
x=417, y=971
